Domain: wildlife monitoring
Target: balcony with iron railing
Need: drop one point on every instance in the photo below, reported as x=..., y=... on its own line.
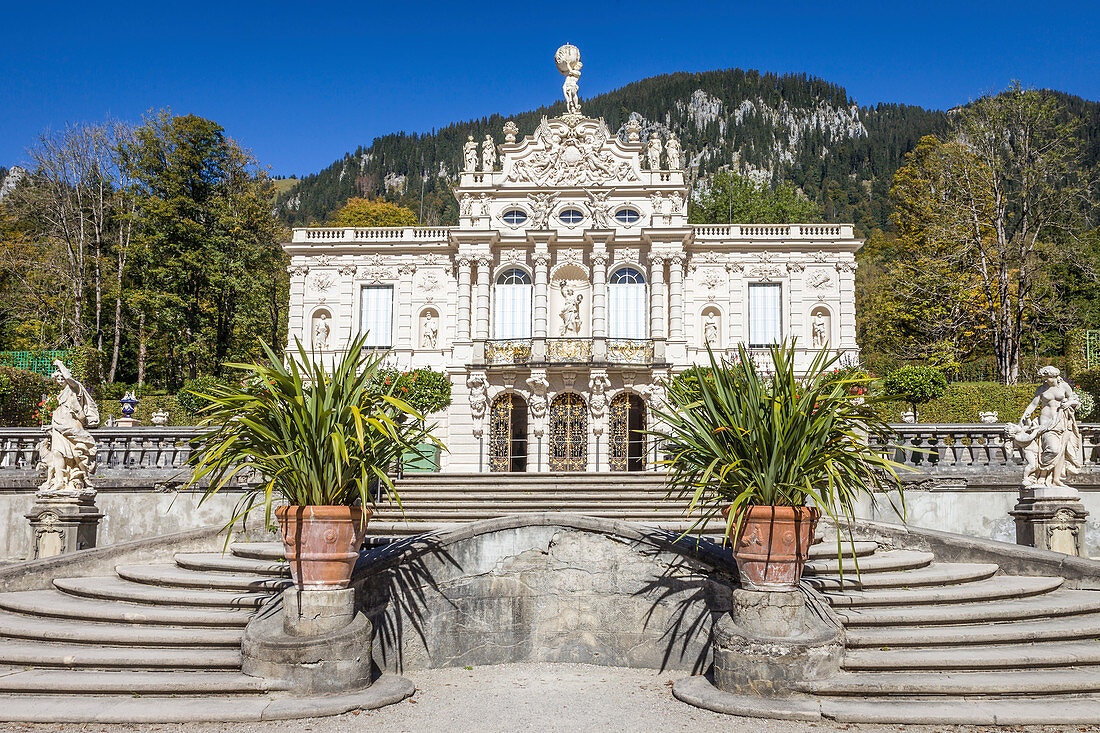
x=569, y=351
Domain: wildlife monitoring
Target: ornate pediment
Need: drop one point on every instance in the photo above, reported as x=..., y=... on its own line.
x=571, y=151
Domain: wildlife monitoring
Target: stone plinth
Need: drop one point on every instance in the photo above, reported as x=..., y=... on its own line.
x=1050, y=522
x=63, y=525
x=771, y=642
x=314, y=642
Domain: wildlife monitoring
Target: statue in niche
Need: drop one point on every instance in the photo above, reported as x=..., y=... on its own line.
x=321, y=331
x=568, y=60
x=600, y=208
x=710, y=330
x=819, y=330
x=1051, y=444
x=673, y=151
x=653, y=152
x=469, y=154
x=429, y=331
x=68, y=451
x=570, y=310
x=488, y=154
x=466, y=205
x=483, y=205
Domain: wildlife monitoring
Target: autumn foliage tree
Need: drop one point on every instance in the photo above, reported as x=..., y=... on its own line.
x=360, y=212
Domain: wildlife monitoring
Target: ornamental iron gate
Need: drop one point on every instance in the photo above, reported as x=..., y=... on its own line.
x=626, y=432
x=568, y=433
x=508, y=434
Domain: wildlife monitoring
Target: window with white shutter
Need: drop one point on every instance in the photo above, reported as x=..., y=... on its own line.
x=376, y=315
x=512, y=305
x=765, y=314
x=626, y=304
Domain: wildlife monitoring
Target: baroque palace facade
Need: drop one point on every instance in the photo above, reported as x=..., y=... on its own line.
x=571, y=288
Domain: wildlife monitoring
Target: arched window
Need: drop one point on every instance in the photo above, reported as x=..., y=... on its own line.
x=626, y=304
x=512, y=305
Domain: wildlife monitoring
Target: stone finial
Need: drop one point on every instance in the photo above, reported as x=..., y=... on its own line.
x=510, y=131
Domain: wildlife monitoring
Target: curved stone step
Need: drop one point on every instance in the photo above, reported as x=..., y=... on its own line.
x=55, y=604
x=1010, y=632
x=116, y=589
x=1044, y=604
x=826, y=549
x=18, y=626
x=1001, y=711
x=142, y=682
x=260, y=550
x=1003, y=586
x=936, y=574
x=1035, y=657
x=880, y=562
x=30, y=654
x=177, y=577
x=908, y=684
x=219, y=563
x=137, y=710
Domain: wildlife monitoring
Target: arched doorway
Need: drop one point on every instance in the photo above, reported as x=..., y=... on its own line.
x=568, y=433
x=508, y=434
x=626, y=432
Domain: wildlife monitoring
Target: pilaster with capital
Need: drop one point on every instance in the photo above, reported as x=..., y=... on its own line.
x=463, y=298
x=738, y=314
x=657, y=297
x=542, y=280
x=404, y=306
x=483, y=268
x=599, y=294
x=846, y=284
x=676, y=297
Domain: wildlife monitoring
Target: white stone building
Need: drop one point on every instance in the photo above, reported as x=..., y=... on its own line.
x=572, y=286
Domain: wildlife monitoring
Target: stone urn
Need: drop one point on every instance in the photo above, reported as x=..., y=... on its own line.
x=909, y=416
x=160, y=417
x=321, y=543
x=772, y=544
x=988, y=418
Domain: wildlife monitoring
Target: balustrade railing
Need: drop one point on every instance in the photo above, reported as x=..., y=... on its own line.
x=568, y=350
x=629, y=351
x=508, y=351
x=116, y=448
x=971, y=448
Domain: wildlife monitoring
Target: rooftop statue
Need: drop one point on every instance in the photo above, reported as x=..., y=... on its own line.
x=568, y=59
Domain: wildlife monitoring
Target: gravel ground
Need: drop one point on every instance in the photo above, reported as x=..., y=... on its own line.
x=549, y=698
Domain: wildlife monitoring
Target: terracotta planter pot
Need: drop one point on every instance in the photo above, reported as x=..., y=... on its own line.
x=772, y=545
x=322, y=543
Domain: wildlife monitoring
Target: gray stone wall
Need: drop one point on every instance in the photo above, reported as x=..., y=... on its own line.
x=545, y=588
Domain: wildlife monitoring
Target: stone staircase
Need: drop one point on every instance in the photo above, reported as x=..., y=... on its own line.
x=946, y=643
x=150, y=643
x=440, y=501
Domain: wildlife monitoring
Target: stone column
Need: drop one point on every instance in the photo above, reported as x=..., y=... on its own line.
x=676, y=297
x=464, y=298
x=484, y=264
x=656, y=297
x=542, y=280
x=405, y=336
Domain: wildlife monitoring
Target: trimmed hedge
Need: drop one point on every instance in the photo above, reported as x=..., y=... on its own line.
x=147, y=405
x=962, y=402
x=20, y=396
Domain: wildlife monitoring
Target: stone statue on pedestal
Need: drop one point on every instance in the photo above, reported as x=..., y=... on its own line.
x=1050, y=444
x=469, y=154
x=68, y=451
x=653, y=152
x=430, y=333
x=568, y=60
x=488, y=154
x=673, y=151
x=570, y=310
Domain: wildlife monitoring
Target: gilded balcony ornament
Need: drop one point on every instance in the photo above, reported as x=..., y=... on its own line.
x=512, y=351
x=568, y=350
x=629, y=351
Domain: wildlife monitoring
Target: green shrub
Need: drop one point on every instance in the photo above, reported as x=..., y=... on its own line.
x=22, y=397
x=425, y=390
x=962, y=402
x=916, y=384
x=1088, y=380
x=147, y=405
x=1074, y=349
x=188, y=398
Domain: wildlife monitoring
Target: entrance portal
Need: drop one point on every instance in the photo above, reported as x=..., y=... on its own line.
x=626, y=432
x=508, y=434
x=568, y=433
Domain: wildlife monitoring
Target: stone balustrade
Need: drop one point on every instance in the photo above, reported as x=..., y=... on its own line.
x=155, y=448
x=505, y=352
x=366, y=234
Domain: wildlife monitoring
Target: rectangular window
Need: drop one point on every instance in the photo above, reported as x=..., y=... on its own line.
x=765, y=314
x=626, y=310
x=512, y=311
x=376, y=315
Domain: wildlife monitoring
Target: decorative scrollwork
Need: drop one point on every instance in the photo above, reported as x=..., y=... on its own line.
x=568, y=350
x=512, y=351
x=629, y=351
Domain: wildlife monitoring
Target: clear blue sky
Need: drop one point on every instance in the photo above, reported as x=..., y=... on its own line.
x=300, y=83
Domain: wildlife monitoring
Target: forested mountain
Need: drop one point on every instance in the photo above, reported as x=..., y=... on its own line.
x=792, y=128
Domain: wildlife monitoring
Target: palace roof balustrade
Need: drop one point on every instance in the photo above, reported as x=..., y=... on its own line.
x=569, y=351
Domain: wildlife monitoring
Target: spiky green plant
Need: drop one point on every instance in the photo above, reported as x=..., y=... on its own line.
x=315, y=436
x=749, y=437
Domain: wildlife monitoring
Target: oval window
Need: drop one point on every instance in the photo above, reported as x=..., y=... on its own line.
x=571, y=216
x=514, y=217
x=627, y=216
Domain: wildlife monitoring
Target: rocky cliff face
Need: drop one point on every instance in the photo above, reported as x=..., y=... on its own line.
x=10, y=179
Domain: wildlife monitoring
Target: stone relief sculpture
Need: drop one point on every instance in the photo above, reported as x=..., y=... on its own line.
x=676, y=204
x=483, y=205
x=657, y=201
x=1051, y=444
x=68, y=451
x=570, y=310
x=429, y=331
x=673, y=152
x=469, y=154
x=571, y=152
x=599, y=207
x=541, y=206
x=568, y=60
x=598, y=385
x=653, y=152
x=479, y=400
x=321, y=330
x=488, y=154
